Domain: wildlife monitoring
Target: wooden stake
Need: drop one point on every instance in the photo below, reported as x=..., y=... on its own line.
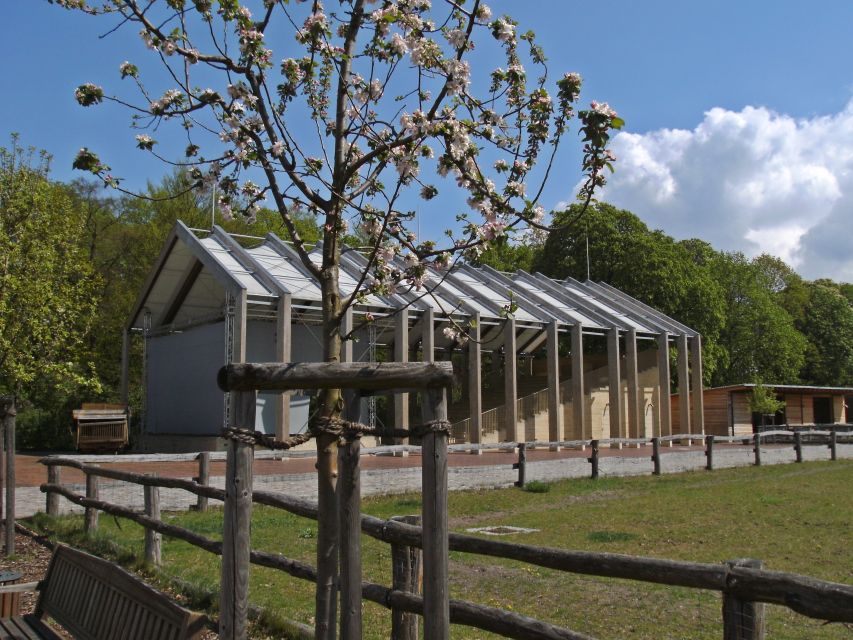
x=234, y=594
x=742, y=620
x=521, y=464
x=90, y=521
x=349, y=490
x=52, y=500
x=833, y=445
x=756, y=439
x=153, y=540
x=593, y=458
x=9, y=439
x=406, y=576
x=656, y=456
x=798, y=445
x=709, y=452
x=203, y=478
x=435, y=539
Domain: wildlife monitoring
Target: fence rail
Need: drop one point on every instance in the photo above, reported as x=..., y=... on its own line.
x=807, y=596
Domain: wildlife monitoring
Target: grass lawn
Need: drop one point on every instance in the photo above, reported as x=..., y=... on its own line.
x=795, y=518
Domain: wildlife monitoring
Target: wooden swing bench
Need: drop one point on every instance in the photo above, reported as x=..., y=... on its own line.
x=94, y=599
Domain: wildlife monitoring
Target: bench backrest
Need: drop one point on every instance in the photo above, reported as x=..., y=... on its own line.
x=94, y=599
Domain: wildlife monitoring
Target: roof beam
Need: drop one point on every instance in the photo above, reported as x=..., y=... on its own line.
x=678, y=327
x=606, y=321
x=180, y=294
x=248, y=261
x=531, y=304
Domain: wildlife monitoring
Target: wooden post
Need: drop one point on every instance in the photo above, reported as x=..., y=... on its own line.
x=578, y=395
x=90, y=521
x=709, y=453
x=9, y=439
x=406, y=576
x=656, y=456
x=153, y=540
x=234, y=586
x=475, y=384
x=683, y=386
x=742, y=620
x=52, y=500
x=521, y=464
x=756, y=440
x=401, y=354
x=614, y=383
x=696, y=377
x=593, y=458
x=664, y=408
x=349, y=498
x=435, y=533
x=283, y=349
x=833, y=445
x=798, y=445
x=555, y=409
x=510, y=382
x=635, y=409
x=203, y=478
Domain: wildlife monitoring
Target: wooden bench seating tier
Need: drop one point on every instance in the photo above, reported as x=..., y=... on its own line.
x=94, y=599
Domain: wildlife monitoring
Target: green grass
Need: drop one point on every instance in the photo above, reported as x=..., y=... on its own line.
x=793, y=517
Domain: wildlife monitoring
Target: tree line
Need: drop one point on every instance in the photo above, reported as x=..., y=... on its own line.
x=759, y=320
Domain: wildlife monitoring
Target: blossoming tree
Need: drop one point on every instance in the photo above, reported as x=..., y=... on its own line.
x=351, y=113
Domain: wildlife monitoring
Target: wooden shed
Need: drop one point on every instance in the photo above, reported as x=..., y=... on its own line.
x=727, y=409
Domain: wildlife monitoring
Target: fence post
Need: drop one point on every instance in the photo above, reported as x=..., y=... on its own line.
x=349, y=499
x=234, y=588
x=798, y=445
x=153, y=540
x=434, y=514
x=593, y=458
x=833, y=445
x=757, y=448
x=709, y=452
x=742, y=620
x=521, y=464
x=406, y=575
x=9, y=438
x=656, y=456
x=52, y=500
x=90, y=522
x=203, y=478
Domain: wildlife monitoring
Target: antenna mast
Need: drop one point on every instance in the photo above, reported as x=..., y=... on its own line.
x=213, y=207
x=587, y=257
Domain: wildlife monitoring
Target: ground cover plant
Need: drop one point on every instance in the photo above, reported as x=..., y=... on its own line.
x=794, y=517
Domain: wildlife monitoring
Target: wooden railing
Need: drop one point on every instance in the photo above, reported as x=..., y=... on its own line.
x=744, y=585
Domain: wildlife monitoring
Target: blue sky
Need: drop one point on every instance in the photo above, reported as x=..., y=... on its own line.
x=738, y=125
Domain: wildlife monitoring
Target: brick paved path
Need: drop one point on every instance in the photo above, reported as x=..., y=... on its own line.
x=389, y=474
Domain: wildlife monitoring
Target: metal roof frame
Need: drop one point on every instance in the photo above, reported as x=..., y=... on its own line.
x=595, y=306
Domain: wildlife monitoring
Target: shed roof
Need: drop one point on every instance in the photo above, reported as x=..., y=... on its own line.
x=271, y=266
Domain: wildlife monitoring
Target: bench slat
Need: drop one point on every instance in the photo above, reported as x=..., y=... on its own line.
x=27, y=627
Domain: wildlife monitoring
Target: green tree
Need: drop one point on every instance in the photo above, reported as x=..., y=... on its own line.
x=827, y=325
x=648, y=265
x=759, y=339
x=48, y=289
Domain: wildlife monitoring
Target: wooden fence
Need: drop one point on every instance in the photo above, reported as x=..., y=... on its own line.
x=813, y=598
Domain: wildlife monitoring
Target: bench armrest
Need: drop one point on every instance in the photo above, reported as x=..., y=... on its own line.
x=20, y=588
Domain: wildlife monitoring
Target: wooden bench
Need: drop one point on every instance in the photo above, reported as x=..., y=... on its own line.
x=94, y=599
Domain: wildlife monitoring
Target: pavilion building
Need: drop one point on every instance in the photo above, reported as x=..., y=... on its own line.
x=575, y=360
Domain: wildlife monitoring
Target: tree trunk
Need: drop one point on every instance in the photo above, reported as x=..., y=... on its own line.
x=328, y=543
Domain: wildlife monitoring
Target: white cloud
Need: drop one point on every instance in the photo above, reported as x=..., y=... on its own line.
x=753, y=181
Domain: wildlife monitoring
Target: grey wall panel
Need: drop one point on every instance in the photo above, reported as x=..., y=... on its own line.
x=182, y=394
